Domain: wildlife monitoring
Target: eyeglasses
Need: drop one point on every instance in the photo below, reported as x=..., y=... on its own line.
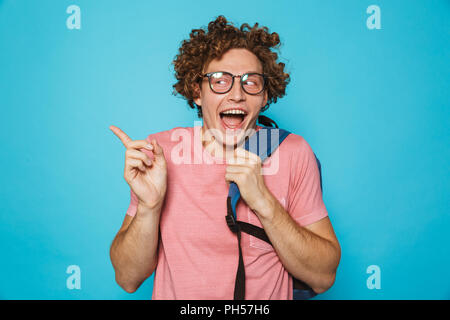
x=222, y=82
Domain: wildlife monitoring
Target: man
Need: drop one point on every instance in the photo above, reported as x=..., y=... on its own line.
x=175, y=222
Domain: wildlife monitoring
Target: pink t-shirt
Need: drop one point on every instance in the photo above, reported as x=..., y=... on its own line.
x=198, y=254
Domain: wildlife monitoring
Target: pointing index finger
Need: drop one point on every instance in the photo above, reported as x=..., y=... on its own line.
x=121, y=135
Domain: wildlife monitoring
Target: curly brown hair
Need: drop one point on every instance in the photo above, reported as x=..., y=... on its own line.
x=205, y=45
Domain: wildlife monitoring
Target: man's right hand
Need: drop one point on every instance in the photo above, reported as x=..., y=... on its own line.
x=147, y=178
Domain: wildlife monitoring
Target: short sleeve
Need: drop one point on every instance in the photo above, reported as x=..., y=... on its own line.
x=132, y=208
x=305, y=203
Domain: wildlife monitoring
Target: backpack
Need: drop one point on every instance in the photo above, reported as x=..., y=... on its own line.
x=301, y=290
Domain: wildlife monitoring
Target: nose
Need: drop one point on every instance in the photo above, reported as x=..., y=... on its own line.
x=236, y=93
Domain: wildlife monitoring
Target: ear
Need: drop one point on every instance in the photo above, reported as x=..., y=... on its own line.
x=266, y=97
x=198, y=94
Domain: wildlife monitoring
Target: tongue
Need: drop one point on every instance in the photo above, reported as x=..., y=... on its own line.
x=232, y=121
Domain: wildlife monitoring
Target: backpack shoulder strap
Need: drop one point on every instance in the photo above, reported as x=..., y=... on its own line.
x=263, y=143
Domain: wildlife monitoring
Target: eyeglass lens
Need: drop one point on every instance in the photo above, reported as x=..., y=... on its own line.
x=221, y=82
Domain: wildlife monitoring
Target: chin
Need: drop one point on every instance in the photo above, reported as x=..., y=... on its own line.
x=234, y=137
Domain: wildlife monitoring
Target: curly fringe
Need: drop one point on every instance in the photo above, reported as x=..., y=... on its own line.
x=203, y=46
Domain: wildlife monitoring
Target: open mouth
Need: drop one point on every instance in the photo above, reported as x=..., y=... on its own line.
x=233, y=119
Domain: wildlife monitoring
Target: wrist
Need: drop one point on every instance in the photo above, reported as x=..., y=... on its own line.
x=148, y=210
x=266, y=206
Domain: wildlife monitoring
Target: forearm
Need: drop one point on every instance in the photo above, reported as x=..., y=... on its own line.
x=134, y=250
x=304, y=254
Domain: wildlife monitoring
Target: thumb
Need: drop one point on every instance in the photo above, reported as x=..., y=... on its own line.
x=158, y=151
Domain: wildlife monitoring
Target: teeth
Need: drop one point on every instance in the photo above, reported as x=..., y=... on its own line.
x=234, y=111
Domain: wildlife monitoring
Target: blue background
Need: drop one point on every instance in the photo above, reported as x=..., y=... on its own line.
x=373, y=105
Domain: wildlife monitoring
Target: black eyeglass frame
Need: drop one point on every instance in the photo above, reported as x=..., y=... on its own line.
x=209, y=74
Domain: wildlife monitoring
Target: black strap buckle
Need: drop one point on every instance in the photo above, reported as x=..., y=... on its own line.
x=231, y=222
